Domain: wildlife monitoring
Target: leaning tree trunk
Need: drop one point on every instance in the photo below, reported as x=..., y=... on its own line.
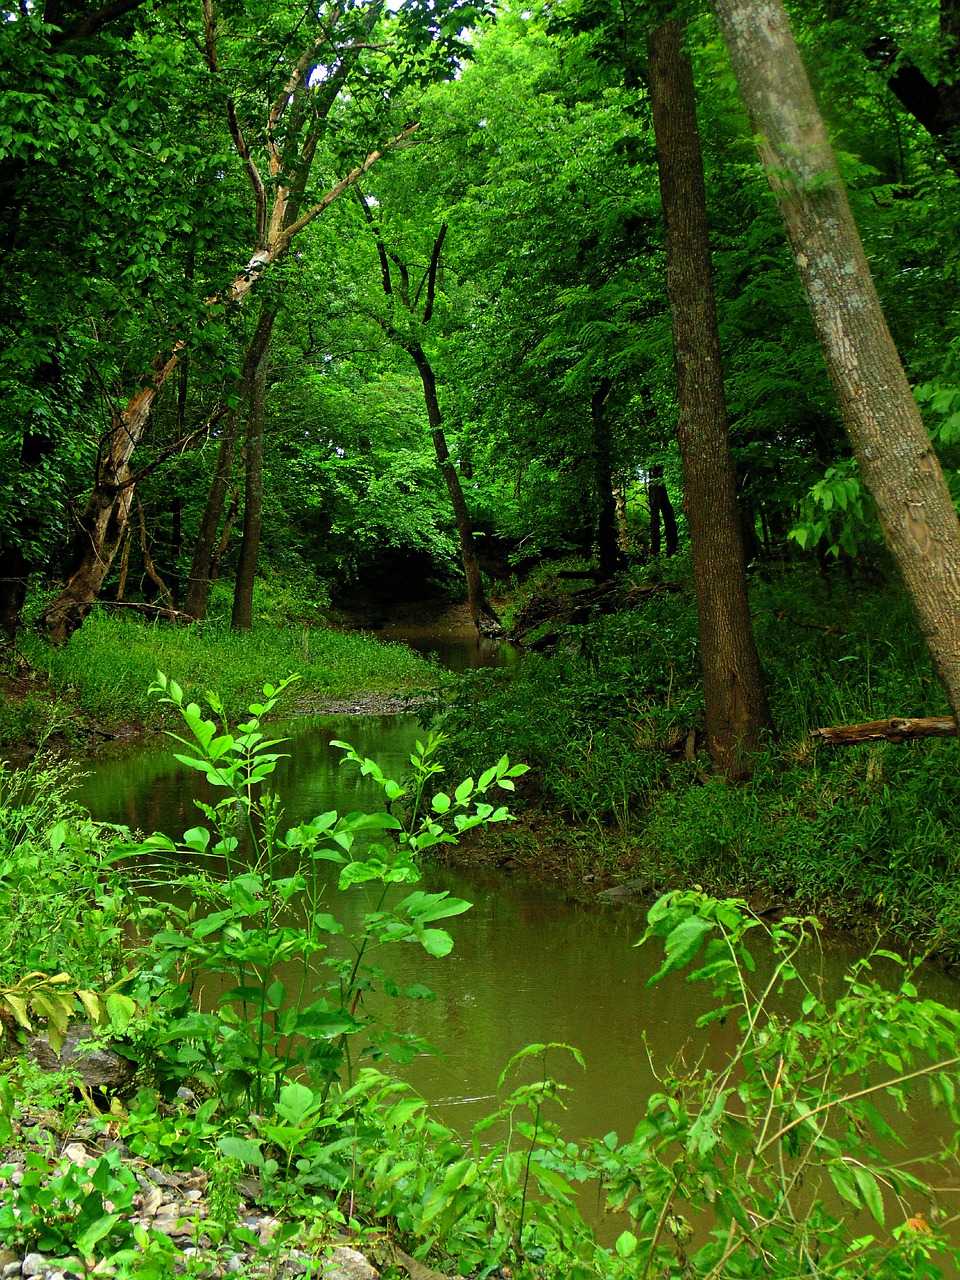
x=101, y=527
x=734, y=696
x=242, y=619
x=892, y=447
x=481, y=610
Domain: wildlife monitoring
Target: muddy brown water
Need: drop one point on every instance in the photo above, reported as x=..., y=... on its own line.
x=528, y=964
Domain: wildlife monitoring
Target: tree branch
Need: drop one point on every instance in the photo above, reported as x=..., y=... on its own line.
x=94, y=22
x=236, y=132
x=344, y=184
x=381, y=250
x=896, y=729
x=432, y=275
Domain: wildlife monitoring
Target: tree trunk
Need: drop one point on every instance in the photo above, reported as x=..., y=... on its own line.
x=195, y=602
x=484, y=615
x=13, y=591
x=735, y=699
x=610, y=561
x=101, y=527
x=661, y=511
x=149, y=567
x=623, y=528
x=242, y=619
x=892, y=447
x=233, y=510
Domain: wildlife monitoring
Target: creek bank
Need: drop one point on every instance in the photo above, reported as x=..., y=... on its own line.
x=618, y=868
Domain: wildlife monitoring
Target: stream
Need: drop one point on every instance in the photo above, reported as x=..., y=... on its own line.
x=528, y=965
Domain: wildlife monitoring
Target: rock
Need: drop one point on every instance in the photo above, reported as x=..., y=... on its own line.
x=267, y=1229
x=629, y=889
x=77, y=1153
x=97, y=1065
x=347, y=1264
x=34, y=1264
x=11, y=1269
x=152, y=1202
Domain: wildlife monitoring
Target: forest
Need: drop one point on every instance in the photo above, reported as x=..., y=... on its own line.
x=621, y=339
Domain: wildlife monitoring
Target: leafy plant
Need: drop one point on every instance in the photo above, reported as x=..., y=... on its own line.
x=58, y=1206
x=270, y=909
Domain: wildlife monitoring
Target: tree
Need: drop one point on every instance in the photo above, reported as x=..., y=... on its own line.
x=893, y=449
x=102, y=524
x=734, y=695
x=403, y=327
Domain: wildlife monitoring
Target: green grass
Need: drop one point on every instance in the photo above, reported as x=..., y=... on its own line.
x=110, y=662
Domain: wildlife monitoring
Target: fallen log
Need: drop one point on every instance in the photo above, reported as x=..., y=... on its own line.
x=896, y=729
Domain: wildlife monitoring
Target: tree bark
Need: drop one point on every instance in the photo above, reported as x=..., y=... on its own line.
x=892, y=447
x=242, y=619
x=102, y=525
x=735, y=699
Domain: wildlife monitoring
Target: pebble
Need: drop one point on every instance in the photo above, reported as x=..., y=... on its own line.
x=14, y=1268
x=34, y=1264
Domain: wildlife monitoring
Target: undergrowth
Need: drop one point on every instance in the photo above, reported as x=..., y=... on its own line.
x=870, y=832
x=780, y=1158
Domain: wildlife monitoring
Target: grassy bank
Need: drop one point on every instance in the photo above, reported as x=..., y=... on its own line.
x=103, y=674
x=868, y=835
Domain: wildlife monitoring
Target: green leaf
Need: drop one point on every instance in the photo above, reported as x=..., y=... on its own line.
x=626, y=1244
x=682, y=944
x=869, y=1190
x=243, y=1149
x=436, y=942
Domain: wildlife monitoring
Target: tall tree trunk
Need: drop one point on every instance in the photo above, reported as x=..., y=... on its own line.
x=195, y=601
x=609, y=557
x=13, y=591
x=734, y=696
x=892, y=447
x=482, y=612
x=242, y=619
